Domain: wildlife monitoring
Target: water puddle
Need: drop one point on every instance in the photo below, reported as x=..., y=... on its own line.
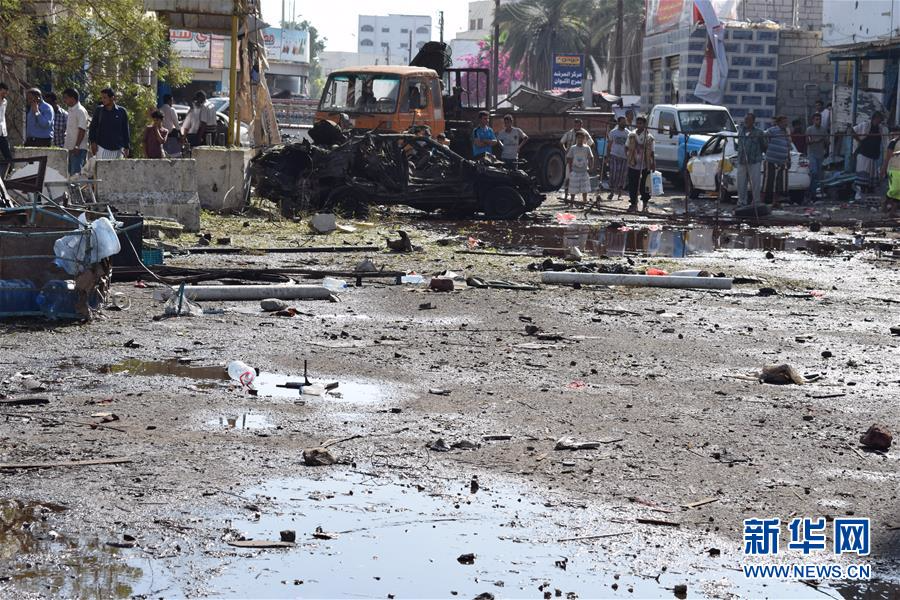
x=244, y=421
x=616, y=240
x=36, y=559
x=268, y=385
x=361, y=537
x=172, y=368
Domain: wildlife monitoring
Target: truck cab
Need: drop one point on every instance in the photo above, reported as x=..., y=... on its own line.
x=384, y=98
x=680, y=129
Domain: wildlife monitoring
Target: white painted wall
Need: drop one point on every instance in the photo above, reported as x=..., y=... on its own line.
x=853, y=21
x=392, y=45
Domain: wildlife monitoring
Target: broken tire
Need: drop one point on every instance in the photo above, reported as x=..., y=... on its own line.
x=503, y=202
x=551, y=168
x=347, y=202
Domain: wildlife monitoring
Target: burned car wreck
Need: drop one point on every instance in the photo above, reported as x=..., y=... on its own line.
x=350, y=173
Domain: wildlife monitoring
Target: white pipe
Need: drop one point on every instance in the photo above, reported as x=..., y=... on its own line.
x=253, y=292
x=666, y=281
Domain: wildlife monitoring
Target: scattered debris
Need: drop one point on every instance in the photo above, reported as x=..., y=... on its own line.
x=288, y=535
x=317, y=457
x=567, y=443
x=877, y=437
x=323, y=223
x=782, y=375
x=439, y=445
x=441, y=284
x=466, y=559
x=273, y=304
x=260, y=544
x=400, y=245
x=321, y=534
x=681, y=590
x=439, y=391
x=658, y=522
x=66, y=463
x=699, y=503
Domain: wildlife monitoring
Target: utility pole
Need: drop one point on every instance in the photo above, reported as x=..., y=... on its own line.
x=587, y=81
x=441, y=24
x=620, y=59
x=409, y=47
x=495, y=55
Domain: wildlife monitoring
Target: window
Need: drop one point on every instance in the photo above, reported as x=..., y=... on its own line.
x=656, y=81
x=360, y=93
x=384, y=44
x=367, y=28
x=422, y=29
x=404, y=45
x=366, y=43
x=404, y=30
x=705, y=121
x=416, y=96
x=480, y=23
x=666, y=120
x=385, y=30
x=471, y=24
x=419, y=45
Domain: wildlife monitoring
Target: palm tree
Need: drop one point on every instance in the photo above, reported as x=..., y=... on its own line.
x=603, y=28
x=536, y=29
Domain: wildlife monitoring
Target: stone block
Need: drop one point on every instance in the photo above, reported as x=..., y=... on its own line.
x=152, y=187
x=220, y=176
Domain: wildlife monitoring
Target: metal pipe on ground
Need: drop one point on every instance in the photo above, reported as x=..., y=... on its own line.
x=665, y=281
x=253, y=292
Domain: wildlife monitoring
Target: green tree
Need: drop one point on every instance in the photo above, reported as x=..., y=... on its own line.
x=536, y=29
x=89, y=45
x=602, y=27
x=316, y=48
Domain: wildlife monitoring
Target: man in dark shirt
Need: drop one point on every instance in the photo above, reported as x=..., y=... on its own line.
x=109, y=134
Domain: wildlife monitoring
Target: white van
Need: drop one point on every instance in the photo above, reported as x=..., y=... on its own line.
x=683, y=129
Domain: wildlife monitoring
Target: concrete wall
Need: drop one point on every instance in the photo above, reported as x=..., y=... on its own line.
x=752, y=76
x=807, y=13
x=849, y=23
x=804, y=82
x=220, y=177
x=153, y=187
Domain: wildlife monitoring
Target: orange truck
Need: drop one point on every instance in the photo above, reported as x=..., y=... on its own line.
x=395, y=98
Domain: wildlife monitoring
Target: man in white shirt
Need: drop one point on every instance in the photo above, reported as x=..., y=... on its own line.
x=513, y=139
x=76, y=139
x=5, y=153
x=170, y=117
x=207, y=115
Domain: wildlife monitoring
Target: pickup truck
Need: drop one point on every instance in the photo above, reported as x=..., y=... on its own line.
x=683, y=129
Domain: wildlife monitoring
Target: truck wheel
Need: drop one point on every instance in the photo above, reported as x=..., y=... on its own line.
x=551, y=168
x=503, y=202
x=346, y=201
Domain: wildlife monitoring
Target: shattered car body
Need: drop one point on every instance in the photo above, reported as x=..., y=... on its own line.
x=390, y=169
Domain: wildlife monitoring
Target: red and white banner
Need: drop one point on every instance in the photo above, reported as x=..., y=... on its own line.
x=714, y=71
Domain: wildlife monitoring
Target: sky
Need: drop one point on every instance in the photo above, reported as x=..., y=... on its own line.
x=338, y=20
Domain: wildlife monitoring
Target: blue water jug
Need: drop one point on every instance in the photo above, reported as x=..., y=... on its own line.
x=57, y=299
x=17, y=296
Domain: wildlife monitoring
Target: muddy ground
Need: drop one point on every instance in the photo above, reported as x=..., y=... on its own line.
x=663, y=378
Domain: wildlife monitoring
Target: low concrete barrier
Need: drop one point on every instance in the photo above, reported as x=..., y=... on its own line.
x=220, y=177
x=153, y=187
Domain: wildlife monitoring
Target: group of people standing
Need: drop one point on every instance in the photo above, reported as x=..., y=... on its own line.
x=631, y=153
x=105, y=134
x=632, y=157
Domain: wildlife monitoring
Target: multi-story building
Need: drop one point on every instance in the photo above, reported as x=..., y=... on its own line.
x=481, y=23
x=774, y=54
x=393, y=39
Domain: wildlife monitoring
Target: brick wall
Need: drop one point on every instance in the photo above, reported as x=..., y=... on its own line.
x=809, y=12
x=804, y=82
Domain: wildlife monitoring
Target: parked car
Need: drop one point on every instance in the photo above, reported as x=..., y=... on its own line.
x=682, y=129
x=221, y=125
x=705, y=168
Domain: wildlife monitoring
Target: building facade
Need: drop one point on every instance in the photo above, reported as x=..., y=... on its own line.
x=392, y=39
x=774, y=53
